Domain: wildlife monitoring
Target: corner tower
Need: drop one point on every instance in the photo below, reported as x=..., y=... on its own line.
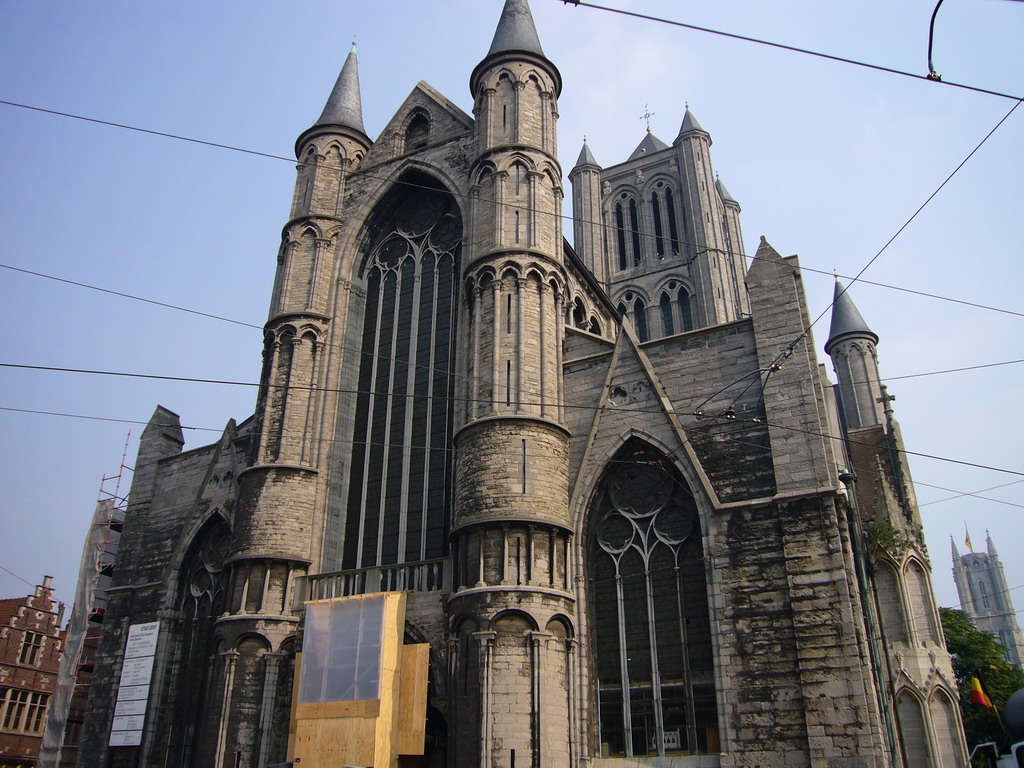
x=511, y=628
x=851, y=345
x=274, y=537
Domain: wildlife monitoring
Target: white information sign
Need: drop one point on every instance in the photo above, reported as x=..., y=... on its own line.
x=133, y=690
x=128, y=723
x=137, y=671
x=142, y=640
x=129, y=707
x=125, y=738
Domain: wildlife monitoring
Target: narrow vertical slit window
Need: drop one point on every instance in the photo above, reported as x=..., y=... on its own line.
x=517, y=226
x=508, y=382
x=522, y=465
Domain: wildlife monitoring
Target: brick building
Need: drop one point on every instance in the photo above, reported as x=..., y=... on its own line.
x=30, y=647
x=636, y=522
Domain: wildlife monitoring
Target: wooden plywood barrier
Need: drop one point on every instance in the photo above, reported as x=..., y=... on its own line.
x=357, y=648
x=412, y=702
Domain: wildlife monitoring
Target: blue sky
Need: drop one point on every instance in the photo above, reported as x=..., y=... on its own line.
x=827, y=161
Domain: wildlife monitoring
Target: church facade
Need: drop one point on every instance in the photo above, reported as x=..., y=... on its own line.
x=635, y=522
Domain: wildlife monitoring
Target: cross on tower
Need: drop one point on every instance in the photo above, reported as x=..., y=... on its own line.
x=647, y=115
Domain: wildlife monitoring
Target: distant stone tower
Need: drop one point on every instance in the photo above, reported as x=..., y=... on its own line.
x=984, y=596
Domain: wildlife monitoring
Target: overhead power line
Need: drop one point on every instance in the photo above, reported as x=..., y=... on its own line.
x=404, y=182
x=128, y=296
x=791, y=48
x=698, y=415
x=448, y=449
x=961, y=494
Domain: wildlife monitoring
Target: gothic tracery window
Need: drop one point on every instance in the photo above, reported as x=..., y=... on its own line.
x=649, y=612
x=400, y=469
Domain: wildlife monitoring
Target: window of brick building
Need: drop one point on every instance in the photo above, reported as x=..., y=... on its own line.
x=31, y=649
x=22, y=711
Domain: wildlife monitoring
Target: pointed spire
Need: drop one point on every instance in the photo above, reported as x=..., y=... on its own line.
x=955, y=552
x=723, y=192
x=516, y=30
x=648, y=146
x=344, y=106
x=690, y=123
x=586, y=157
x=846, y=319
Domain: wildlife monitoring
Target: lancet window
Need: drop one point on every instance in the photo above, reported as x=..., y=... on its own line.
x=620, y=235
x=400, y=472
x=659, y=239
x=649, y=611
x=673, y=226
x=640, y=319
x=634, y=231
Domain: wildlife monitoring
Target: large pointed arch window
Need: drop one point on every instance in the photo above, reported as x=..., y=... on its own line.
x=400, y=470
x=649, y=611
x=201, y=601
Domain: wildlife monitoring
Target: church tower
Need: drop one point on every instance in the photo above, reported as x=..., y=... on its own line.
x=851, y=345
x=922, y=719
x=985, y=597
x=662, y=234
x=511, y=524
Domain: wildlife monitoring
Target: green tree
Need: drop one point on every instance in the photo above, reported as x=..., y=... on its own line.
x=979, y=654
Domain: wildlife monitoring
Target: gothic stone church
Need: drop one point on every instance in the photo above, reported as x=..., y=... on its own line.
x=631, y=517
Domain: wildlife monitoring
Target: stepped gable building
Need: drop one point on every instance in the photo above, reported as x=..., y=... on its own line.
x=985, y=597
x=636, y=523
x=30, y=647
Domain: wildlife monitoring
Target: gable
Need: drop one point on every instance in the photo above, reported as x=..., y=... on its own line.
x=404, y=133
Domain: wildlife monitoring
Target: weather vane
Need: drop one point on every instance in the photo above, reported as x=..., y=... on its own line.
x=647, y=115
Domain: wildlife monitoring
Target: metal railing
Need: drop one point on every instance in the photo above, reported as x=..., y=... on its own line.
x=422, y=576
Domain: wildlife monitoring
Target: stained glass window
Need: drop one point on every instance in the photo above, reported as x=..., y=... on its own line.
x=400, y=470
x=649, y=611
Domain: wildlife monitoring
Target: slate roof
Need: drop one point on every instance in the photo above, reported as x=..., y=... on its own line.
x=516, y=30
x=344, y=105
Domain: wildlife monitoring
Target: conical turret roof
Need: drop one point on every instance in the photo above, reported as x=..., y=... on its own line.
x=344, y=106
x=586, y=157
x=723, y=192
x=846, y=319
x=690, y=124
x=516, y=30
